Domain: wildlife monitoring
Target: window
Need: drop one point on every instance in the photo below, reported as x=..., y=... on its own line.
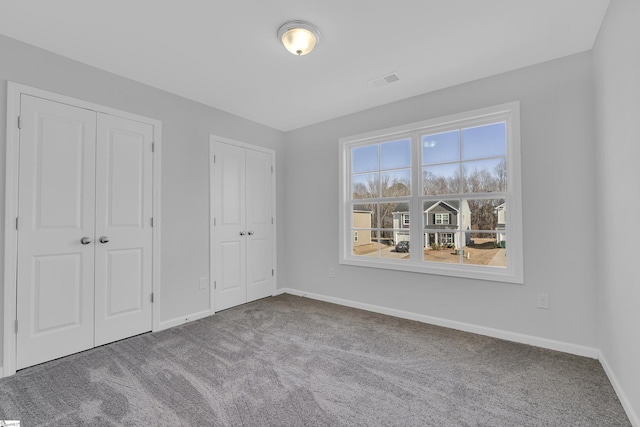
x=457, y=175
x=442, y=218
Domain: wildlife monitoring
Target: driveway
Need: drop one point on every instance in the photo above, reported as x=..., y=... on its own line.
x=388, y=252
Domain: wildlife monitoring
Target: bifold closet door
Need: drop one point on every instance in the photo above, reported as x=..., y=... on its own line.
x=56, y=208
x=243, y=230
x=84, y=230
x=123, y=241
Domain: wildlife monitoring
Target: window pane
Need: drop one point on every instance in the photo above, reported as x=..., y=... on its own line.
x=397, y=247
x=441, y=148
x=391, y=214
x=484, y=249
x=395, y=154
x=367, y=244
x=441, y=179
x=484, y=141
x=485, y=214
x=484, y=175
x=441, y=246
x=443, y=215
x=365, y=186
x=396, y=183
x=364, y=216
x=364, y=159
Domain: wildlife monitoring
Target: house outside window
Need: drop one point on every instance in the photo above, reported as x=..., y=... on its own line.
x=458, y=174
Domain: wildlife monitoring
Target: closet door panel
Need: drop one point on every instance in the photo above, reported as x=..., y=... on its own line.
x=259, y=227
x=230, y=241
x=123, y=228
x=56, y=211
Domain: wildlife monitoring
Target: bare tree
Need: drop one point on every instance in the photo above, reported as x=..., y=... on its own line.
x=500, y=172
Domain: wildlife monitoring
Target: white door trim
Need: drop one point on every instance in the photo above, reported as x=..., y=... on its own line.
x=14, y=90
x=272, y=153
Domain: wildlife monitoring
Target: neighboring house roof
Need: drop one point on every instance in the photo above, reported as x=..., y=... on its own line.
x=404, y=207
x=453, y=204
x=362, y=209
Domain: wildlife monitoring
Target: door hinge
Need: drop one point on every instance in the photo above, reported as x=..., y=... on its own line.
x=16, y=326
x=214, y=221
x=16, y=223
x=152, y=221
x=271, y=220
x=271, y=169
x=152, y=297
x=215, y=285
x=19, y=122
x=273, y=273
x=153, y=147
x=214, y=158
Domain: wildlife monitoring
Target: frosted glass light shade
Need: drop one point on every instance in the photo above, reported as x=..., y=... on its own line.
x=299, y=37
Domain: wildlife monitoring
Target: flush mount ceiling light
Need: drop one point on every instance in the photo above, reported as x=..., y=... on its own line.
x=299, y=37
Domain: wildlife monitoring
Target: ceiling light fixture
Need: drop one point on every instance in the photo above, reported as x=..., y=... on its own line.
x=299, y=37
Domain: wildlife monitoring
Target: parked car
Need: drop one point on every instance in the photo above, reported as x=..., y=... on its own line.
x=402, y=246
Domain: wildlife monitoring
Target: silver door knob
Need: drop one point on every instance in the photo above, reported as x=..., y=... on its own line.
x=242, y=233
x=250, y=233
x=85, y=240
x=103, y=239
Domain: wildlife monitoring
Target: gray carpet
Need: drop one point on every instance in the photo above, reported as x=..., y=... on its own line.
x=291, y=361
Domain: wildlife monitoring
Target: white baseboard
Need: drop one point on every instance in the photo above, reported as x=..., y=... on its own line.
x=579, y=350
x=624, y=400
x=182, y=320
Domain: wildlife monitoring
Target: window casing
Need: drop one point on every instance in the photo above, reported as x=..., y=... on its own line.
x=455, y=174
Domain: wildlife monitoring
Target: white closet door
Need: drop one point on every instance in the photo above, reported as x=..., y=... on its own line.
x=123, y=228
x=259, y=227
x=55, y=291
x=230, y=241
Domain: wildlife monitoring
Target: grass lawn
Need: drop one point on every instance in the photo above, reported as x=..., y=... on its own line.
x=482, y=252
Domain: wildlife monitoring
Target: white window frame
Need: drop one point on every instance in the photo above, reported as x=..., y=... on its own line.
x=514, y=271
x=405, y=220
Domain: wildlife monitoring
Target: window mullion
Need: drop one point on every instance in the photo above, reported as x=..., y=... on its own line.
x=416, y=220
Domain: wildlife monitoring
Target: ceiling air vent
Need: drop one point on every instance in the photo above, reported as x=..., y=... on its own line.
x=384, y=80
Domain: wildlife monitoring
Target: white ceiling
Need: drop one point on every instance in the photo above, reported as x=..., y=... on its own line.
x=225, y=53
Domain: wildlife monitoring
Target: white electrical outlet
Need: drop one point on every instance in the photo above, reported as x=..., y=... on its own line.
x=543, y=301
x=332, y=273
x=203, y=283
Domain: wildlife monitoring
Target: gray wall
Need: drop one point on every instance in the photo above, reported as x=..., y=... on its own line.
x=558, y=161
x=186, y=126
x=617, y=82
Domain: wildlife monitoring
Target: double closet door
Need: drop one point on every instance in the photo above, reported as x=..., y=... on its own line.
x=243, y=269
x=84, y=230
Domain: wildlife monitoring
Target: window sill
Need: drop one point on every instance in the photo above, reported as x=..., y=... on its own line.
x=494, y=274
